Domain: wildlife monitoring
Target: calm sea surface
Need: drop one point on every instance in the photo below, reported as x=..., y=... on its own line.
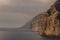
x=11, y=35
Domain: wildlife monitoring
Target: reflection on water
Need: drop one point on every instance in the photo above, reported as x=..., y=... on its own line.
x=9, y=35
x=51, y=38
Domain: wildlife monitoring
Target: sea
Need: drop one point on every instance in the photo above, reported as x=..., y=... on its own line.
x=23, y=35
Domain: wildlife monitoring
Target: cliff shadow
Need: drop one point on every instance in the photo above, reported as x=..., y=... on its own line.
x=50, y=38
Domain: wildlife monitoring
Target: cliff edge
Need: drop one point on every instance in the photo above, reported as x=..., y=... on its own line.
x=48, y=23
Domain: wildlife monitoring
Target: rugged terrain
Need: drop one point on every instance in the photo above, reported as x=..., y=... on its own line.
x=48, y=23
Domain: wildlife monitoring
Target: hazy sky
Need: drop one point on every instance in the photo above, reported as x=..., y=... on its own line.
x=15, y=13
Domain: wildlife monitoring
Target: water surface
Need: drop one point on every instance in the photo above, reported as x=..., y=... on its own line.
x=22, y=35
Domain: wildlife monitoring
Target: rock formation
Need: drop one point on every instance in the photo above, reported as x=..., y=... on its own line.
x=48, y=23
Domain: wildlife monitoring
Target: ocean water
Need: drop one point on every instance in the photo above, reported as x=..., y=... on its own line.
x=12, y=35
x=6, y=35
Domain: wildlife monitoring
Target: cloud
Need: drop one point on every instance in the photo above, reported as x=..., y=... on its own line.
x=46, y=1
x=13, y=19
x=15, y=13
x=4, y=2
x=26, y=6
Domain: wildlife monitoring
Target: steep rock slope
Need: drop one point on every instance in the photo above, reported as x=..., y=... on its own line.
x=48, y=23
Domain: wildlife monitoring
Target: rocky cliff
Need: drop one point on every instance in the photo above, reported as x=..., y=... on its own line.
x=48, y=23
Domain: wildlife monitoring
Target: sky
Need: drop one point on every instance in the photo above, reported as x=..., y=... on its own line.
x=16, y=13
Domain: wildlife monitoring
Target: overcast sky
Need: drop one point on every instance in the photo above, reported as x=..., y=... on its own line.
x=15, y=13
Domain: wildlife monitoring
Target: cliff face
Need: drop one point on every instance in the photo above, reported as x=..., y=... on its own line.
x=48, y=23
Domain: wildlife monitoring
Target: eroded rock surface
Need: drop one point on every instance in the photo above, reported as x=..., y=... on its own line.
x=48, y=23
